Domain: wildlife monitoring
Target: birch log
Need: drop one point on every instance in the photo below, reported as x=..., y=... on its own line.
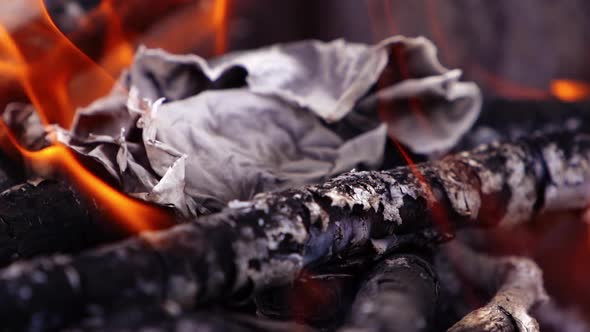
x=354, y=218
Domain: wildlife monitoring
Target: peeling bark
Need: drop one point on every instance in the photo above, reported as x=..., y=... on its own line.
x=399, y=294
x=354, y=219
x=516, y=281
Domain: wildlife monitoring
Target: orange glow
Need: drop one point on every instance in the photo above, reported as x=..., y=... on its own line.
x=194, y=25
x=220, y=11
x=58, y=78
x=117, y=48
x=44, y=61
x=58, y=159
x=570, y=91
x=46, y=64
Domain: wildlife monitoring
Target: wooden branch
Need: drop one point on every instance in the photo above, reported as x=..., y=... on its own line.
x=517, y=283
x=399, y=294
x=354, y=219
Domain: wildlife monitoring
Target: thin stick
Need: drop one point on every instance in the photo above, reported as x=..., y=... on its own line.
x=516, y=281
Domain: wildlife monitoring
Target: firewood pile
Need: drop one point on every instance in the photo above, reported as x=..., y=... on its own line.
x=305, y=186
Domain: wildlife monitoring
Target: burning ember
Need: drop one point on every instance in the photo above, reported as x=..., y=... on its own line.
x=154, y=177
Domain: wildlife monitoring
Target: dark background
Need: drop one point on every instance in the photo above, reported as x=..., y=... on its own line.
x=512, y=48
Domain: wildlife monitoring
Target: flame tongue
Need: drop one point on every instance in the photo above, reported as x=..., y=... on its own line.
x=57, y=78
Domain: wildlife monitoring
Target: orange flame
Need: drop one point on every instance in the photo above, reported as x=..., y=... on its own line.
x=135, y=215
x=569, y=90
x=220, y=24
x=192, y=26
x=46, y=83
x=57, y=78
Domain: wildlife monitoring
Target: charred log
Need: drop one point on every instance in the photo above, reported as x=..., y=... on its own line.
x=399, y=294
x=50, y=217
x=353, y=219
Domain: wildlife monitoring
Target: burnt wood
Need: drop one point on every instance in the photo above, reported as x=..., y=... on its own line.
x=399, y=294
x=50, y=217
x=355, y=218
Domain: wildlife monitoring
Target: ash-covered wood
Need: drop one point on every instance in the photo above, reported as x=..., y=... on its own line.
x=352, y=219
x=517, y=285
x=399, y=294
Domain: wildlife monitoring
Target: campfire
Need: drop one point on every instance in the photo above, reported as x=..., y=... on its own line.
x=205, y=165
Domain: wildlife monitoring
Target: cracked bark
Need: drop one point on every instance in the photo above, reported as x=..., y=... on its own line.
x=355, y=218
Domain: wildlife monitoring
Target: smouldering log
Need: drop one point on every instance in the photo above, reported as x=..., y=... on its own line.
x=355, y=218
x=399, y=294
x=517, y=283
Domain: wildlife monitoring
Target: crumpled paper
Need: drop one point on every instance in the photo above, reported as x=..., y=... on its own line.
x=196, y=134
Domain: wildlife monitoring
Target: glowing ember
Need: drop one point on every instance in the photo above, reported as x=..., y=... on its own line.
x=570, y=91
x=57, y=78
